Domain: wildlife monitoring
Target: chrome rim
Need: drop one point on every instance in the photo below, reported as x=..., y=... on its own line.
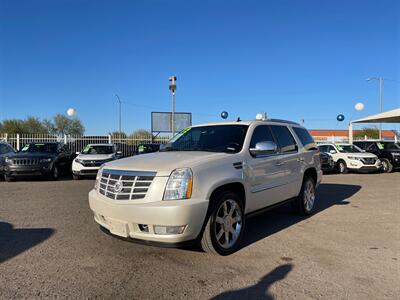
x=384, y=166
x=228, y=224
x=341, y=167
x=309, y=195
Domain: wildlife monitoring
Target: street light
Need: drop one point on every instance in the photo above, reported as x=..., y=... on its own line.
x=172, y=88
x=120, y=103
x=380, y=79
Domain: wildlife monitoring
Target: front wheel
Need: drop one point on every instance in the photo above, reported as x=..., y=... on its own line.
x=387, y=167
x=305, y=201
x=55, y=173
x=225, y=225
x=342, y=167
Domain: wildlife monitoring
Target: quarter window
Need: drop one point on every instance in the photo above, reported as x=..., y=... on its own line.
x=305, y=138
x=286, y=142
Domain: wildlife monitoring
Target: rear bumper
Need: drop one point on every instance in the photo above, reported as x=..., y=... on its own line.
x=128, y=219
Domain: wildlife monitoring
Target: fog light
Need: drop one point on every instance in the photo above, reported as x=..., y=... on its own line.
x=168, y=229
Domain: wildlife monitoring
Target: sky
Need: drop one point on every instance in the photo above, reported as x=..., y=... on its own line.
x=294, y=60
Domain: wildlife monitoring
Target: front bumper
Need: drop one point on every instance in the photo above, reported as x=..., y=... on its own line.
x=356, y=165
x=80, y=170
x=30, y=170
x=128, y=219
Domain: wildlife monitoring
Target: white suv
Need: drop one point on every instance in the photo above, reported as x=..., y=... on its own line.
x=205, y=181
x=88, y=162
x=350, y=157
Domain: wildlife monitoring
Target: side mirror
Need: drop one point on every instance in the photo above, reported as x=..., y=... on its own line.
x=332, y=151
x=263, y=148
x=119, y=152
x=77, y=153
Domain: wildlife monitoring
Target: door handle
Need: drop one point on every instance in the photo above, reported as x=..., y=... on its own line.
x=279, y=164
x=300, y=159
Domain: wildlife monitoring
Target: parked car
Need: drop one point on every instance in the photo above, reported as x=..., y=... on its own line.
x=205, y=182
x=147, y=148
x=6, y=150
x=88, y=162
x=38, y=159
x=327, y=162
x=388, y=153
x=349, y=157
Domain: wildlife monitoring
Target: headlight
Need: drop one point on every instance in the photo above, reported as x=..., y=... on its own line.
x=45, y=160
x=8, y=160
x=396, y=153
x=98, y=177
x=179, y=185
x=354, y=157
x=79, y=161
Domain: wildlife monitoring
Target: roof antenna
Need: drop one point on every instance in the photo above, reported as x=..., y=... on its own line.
x=238, y=119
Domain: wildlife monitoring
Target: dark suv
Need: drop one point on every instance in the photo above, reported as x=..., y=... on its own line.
x=38, y=159
x=388, y=153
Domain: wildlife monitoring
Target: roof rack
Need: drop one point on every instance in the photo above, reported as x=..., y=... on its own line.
x=282, y=121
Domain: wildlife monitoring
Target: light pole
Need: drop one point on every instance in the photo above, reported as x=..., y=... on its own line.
x=380, y=79
x=120, y=103
x=172, y=88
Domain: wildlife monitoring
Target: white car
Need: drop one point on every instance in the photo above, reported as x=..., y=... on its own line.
x=202, y=184
x=350, y=157
x=88, y=162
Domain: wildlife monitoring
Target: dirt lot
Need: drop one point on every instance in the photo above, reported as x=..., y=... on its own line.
x=350, y=249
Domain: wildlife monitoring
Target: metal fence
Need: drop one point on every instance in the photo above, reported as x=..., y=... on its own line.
x=344, y=139
x=127, y=145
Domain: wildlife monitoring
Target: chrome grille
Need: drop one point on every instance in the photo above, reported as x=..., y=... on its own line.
x=369, y=161
x=94, y=163
x=25, y=161
x=125, y=185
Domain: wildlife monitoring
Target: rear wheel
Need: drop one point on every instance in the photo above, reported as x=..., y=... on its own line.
x=387, y=167
x=224, y=228
x=304, y=203
x=342, y=167
x=55, y=173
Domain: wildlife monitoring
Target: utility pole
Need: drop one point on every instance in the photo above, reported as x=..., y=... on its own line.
x=120, y=104
x=380, y=79
x=172, y=88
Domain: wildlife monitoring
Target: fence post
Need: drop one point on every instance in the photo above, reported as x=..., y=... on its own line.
x=6, y=136
x=65, y=139
x=109, y=138
x=18, y=141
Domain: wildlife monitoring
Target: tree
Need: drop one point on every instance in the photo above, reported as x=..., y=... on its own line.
x=30, y=125
x=370, y=132
x=119, y=135
x=62, y=125
x=141, y=134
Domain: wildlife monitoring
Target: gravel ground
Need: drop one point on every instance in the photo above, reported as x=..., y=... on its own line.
x=50, y=247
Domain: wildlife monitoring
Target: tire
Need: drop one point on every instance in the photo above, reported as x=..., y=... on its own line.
x=305, y=202
x=76, y=177
x=9, y=178
x=342, y=167
x=55, y=173
x=387, y=167
x=225, y=225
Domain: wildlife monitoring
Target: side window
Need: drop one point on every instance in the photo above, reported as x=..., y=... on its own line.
x=261, y=133
x=286, y=142
x=323, y=148
x=330, y=148
x=305, y=138
x=373, y=147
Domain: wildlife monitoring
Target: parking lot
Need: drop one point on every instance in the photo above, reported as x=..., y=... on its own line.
x=350, y=249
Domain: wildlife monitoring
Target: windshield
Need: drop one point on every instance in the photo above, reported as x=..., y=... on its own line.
x=41, y=148
x=98, y=150
x=388, y=146
x=217, y=138
x=348, y=149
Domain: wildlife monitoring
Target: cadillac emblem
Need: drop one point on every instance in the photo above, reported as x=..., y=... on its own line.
x=118, y=186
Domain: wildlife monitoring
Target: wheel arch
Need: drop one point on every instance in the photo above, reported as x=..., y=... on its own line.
x=236, y=186
x=311, y=172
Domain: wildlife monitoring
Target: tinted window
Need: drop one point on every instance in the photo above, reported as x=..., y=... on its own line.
x=286, y=142
x=323, y=148
x=305, y=137
x=217, y=138
x=41, y=148
x=98, y=150
x=261, y=134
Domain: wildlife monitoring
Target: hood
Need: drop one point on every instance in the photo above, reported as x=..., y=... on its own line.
x=362, y=154
x=95, y=156
x=30, y=155
x=165, y=162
